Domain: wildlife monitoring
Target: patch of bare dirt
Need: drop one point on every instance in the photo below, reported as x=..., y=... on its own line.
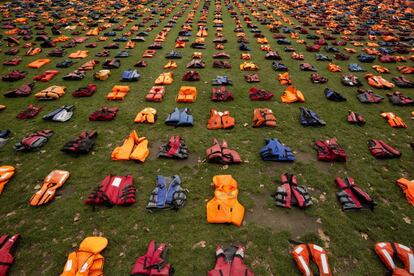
x=279, y=219
x=309, y=158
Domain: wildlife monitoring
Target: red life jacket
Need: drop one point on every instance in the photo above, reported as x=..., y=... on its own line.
x=351, y=196
x=6, y=247
x=330, y=151
x=229, y=262
x=387, y=251
x=290, y=193
x=153, y=262
x=104, y=114
x=114, y=190
x=222, y=154
x=379, y=149
x=355, y=118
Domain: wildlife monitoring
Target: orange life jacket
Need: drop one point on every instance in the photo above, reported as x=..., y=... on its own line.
x=380, y=69
x=302, y=254
x=133, y=148
x=6, y=173
x=79, y=54
x=334, y=68
x=405, y=69
x=379, y=82
x=51, y=93
x=130, y=45
x=394, y=120
x=170, y=65
x=248, y=66
x=38, y=63
x=386, y=251
x=156, y=94
x=224, y=207
x=220, y=120
x=118, y=92
x=53, y=181
x=263, y=117
x=284, y=79
x=292, y=95
x=164, y=78
x=87, y=260
x=186, y=94
x=147, y=115
x=408, y=188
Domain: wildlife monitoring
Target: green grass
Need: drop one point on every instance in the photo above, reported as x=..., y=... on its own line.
x=49, y=233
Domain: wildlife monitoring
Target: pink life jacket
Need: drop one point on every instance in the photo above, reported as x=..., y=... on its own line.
x=114, y=190
x=229, y=262
x=153, y=263
x=6, y=246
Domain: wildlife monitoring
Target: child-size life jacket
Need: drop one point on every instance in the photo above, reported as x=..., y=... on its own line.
x=302, y=255
x=389, y=251
x=329, y=150
x=114, y=190
x=175, y=148
x=379, y=149
x=156, y=94
x=34, y=141
x=133, y=148
x=180, y=117
x=229, y=262
x=263, y=117
x=220, y=153
x=53, y=181
x=7, y=247
x=30, y=112
x=168, y=194
x=82, y=144
x=310, y=118
x=224, y=207
x=220, y=120
x=274, y=150
x=147, y=115
x=6, y=173
x=408, y=188
x=355, y=118
x=351, y=196
x=154, y=262
x=87, y=260
x=291, y=95
x=393, y=120
x=289, y=193
x=104, y=114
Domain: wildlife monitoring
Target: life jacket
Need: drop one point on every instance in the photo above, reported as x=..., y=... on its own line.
x=397, y=98
x=175, y=148
x=220, y=153
x=330, y=151
x=130, y=75
x=252, y=78
x=291, y=95
x=221, y=64
x=284, y=79
x=393, y=120
x=248, y=66
x=38, y=63
x=196, y=63
x=403, y=82
x=75, y=75
x=276, y=151
x=405, y=69
x=102, y=74
x=173, y=55
x=355, y=118
x=30, y=112
x=65, y=64
x=147, y=115
x=23, y=91
x=388, y=251
x=114, y=190
x=13, y=62
x=220, y=120
x=310, y=118
x=118, y=92
x=179, y=44
x=289, y=193
x=354, y=67
x=272, y=55
x=156, y=94
x=130, y=45
x=164, y=78
x=316, y=78
x=61, y=114
x=407, y=186
x=221, y=94
x=191, y=76
x=229, y=262
x=307, y=67
x=53, y=181
x=6, y=173
x=170, y=65
x=302, y=254
x=87, y=91
x=4, y=137
x=263, y=117
x=33, y=141
x=222, y=80
x=224, y=207
x=89, y=65
x=245, y=56
x=133, y=148
x=379, y=82
x=154, y=262
x=111, y=63
x=380, y=69
x=351, y=196
x=46, y=76
x=297, y=56
x=104, y=114
x=7, y=247
x=334, y=68
x=79, y=54
x=350, y=80
x=53, y=92
x=33, y=51
x=87, y=260
x=168, y=194
x=149, y=53
x=80, y=145
x=14, y=76
x=333, y=95
x=258, y=94
x=186, y=94
x=367, y=96
x=379, y=149
x=180, y=117
x=221, y=55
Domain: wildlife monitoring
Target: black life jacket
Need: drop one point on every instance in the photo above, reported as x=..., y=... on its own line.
x=379, y=149
x=168, y=194
x=82, y=144
x=351, y=196
x=222, y=154
x=290, y=193
x=175, y=148
x=153, y=262
x=333, y=95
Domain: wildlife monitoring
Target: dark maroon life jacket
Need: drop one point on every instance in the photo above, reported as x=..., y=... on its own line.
x=379, y=149
x=23, y=91
x=355, y=118
x=229, y=262
x=87, y=91
x=153, y=262
x=7, y=245
x=114, y=190
x=104, y=114
x=351, y=196
x=221, y=94
x=222, y=154
x=330, y=151
x=290, y=193
x=30, y=112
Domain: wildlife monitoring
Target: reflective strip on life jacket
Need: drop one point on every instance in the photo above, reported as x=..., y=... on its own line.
x=302, y=252
x=387, y=250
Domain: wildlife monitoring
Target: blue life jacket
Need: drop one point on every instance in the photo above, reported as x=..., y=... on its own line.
x=222, y=80
x=121, y=39
x=332, y=95
x=310, y=118
x=130, y=75
x=168, y=194
x=355, y=67
x=122, y=54
x=276, y=151
x=180, y=118
x=365, y=58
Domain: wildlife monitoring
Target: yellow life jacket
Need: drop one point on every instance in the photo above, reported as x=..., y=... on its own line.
x=147, y=115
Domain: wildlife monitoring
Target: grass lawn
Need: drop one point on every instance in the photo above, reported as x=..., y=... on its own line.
x=50, y=232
